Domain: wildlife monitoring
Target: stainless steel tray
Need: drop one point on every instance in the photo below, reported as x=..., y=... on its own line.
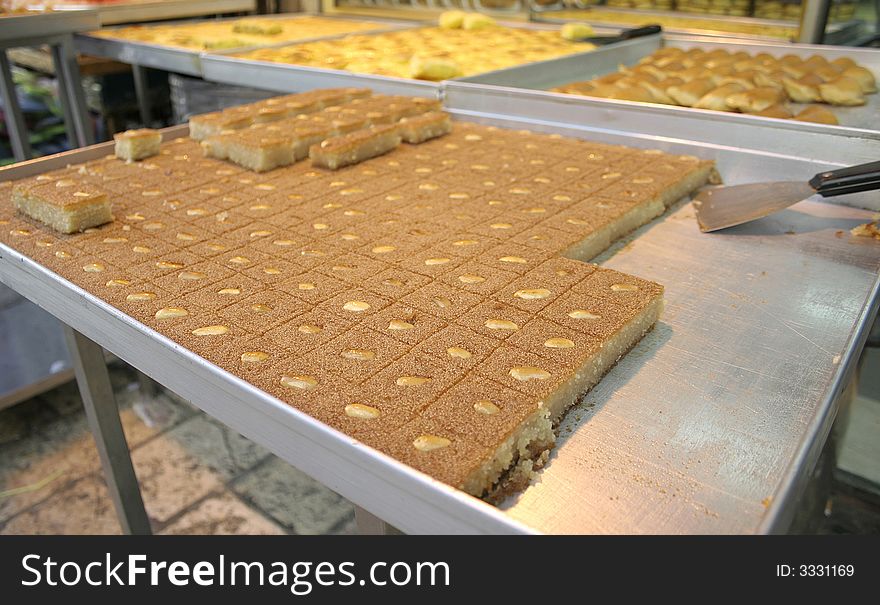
x=712, y=424
x=835, y=33
x=42, y=25
x=285, y=77
x=188, y=61
x=151, y=10
x=856, y=122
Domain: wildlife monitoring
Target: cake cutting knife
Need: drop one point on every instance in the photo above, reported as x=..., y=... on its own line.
x=722, y=207
x=626, y=34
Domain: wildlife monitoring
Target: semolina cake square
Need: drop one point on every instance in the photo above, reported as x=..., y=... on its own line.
x=418, y=129
x=433, y=302
x=277, y=108
x=137, y=144
x=337, y=152
x=67, y=205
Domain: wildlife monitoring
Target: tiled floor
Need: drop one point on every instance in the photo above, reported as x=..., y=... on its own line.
x=199, y=477
x=196, y=475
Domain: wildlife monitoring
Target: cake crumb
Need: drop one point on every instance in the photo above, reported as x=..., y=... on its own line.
x=867, y=230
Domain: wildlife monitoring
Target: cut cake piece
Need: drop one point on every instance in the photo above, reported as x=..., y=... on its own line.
x=260, y=151
x=66, y=205
x=360, y=145
x=277, y=108
x=421, y=128
x=137, y=144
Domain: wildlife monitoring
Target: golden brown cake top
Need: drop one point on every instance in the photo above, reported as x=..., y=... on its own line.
x=419, y=301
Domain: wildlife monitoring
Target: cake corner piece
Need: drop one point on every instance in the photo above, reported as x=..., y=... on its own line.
x=64, y=205
x=133, y=145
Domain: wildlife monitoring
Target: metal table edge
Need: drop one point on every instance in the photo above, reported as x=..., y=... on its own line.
x=780, y=511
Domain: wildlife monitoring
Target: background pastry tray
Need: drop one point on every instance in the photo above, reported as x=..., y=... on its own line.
x=712, y=424
x=285, y=77
x=188, y=61
x=861, y=121
x=835, y=33
x=37, y=25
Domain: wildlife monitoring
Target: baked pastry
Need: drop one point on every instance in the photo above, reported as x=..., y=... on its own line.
x=817, y=114
x=757, y=99
x=775, y=111
x=66, y=204
x=690, y=93
x=249, y=32
x=271, y=110
x=137, y=144
x=675, y=76
x=421, y=128
x=717, y=97
x=387, y=300
x=428, y=53
x=804, y=89
x=863, y=76
x=842, y=91
x=336, y=152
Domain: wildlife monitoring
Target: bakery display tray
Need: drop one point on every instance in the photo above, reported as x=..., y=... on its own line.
x=533, y=81
x=283, y=77
x=712, y=424
x=188, y=61
x=38, y=25
x=135, y=11
x=835, y=33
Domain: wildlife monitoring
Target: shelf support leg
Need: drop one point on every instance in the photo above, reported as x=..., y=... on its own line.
x=103, y=417
x=18, y=134
x=73, y=99
x=142, y=92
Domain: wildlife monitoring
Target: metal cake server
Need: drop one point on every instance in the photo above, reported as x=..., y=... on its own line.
x=722, y=207
x=626, y=34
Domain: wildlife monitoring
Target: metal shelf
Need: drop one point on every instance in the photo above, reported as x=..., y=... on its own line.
x=136, y=11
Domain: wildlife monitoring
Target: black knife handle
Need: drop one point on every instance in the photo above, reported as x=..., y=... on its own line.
x=638, y=32
x=864, y=177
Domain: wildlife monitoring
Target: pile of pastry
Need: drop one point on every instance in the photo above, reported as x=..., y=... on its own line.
x=758, y=84
x=463, y=45
x=333, y=127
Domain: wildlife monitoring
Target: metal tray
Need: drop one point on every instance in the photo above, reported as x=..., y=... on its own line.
x=152, y=10
x=835, y=33
x=526, y=81
x=285, y=77
x=38, y=25
x=712, y=424
x=189, y=62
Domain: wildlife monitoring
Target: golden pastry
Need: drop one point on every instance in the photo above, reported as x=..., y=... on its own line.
x=451, y=19
x=842, y=91
x=717, y=98
x=863, y=76
x=773, y=79
x=817, y=114
x=803, y=90
x=843, y=63
x=757, y=99
x=690, y=93
x=775, y=111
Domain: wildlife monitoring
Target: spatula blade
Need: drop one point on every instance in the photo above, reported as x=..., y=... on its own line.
x=723, y=207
